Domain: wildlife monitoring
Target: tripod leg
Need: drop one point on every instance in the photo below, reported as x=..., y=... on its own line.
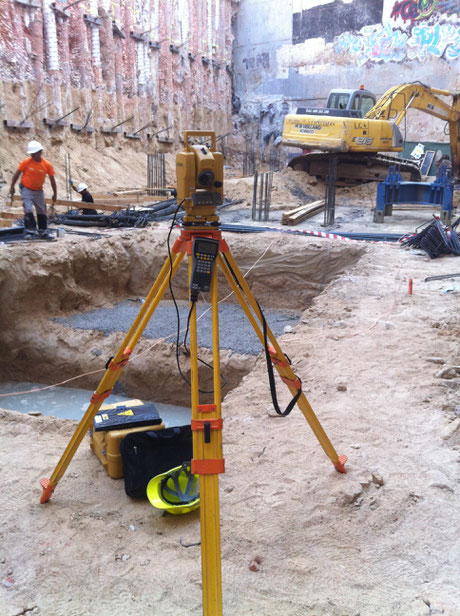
x=208, y=462
x=247, y=301
x=113, y=372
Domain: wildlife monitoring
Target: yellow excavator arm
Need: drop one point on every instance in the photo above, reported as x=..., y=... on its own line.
x=394, y=104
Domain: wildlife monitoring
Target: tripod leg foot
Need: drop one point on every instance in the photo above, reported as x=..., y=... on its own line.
x=340, y=464
x=48, y=489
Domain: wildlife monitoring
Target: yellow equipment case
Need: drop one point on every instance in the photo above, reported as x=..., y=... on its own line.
x=113, y=423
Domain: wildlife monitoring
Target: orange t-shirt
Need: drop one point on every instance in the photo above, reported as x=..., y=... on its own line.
x=34, y=173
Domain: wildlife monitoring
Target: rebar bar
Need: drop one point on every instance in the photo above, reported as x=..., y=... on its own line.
x=261, y=197
x=156, y=173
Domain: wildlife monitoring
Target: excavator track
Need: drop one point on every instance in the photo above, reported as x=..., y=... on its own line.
x=354, y=169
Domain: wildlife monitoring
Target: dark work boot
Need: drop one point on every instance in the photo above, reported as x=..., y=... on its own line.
x=30, y=227
x=43, y=232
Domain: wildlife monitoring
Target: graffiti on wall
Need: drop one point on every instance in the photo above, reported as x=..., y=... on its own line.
x=383, y=43
x=417, y=10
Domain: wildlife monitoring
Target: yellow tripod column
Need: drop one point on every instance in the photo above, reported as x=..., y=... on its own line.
x=208, y=462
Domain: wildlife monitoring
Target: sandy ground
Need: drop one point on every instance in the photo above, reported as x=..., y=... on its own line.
x=380, y=368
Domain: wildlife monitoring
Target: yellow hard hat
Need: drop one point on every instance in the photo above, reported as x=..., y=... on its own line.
x=176, y=491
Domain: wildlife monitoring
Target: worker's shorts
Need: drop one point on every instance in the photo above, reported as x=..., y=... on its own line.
x=31, y=198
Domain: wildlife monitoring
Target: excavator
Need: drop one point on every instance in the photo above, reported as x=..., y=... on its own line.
x=360, y=137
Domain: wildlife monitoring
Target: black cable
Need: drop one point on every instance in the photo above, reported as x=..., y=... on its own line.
x=223, y=380
x=271, y=376
x=172, y=292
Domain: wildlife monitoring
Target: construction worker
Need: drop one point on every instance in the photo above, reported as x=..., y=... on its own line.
x=86, y=197
x=34, y=171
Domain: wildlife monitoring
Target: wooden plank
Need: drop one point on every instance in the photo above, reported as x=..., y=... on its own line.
x=301, y=208
x=6, y=223
x=111, y=207
x=129, y=191
x=289, y=215
x=295, y=210
x=305, y=212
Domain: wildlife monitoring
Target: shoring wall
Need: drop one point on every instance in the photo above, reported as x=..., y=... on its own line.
x=164, y=62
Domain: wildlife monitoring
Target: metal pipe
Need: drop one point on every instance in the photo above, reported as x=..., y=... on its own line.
x=67, y=114
x=162, y=131
x=72, y=4
x=254, y=196
x=147, y=125
x=124, y=122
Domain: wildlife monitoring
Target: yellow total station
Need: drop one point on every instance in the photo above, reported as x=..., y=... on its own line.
x=200, y=178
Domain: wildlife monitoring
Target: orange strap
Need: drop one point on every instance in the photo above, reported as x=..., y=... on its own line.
x=121, y=364
x=95, y=398
x=292, y=383
x=276, y=360
x=208, y=467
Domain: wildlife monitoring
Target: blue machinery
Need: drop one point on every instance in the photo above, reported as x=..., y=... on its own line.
x=393, y=191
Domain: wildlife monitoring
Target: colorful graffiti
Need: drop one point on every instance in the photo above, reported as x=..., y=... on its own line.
x=386, y=44
x=439, y=40
x=418, y=10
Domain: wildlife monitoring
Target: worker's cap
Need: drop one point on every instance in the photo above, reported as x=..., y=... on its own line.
x=81, y=187
x=33, y=147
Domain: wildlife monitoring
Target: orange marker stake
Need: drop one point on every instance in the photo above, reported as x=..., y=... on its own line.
x=410, y=286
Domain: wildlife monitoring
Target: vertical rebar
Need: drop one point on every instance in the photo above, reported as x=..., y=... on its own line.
x=254, y=196
x=268, y=194
x=68, y=176
x=148, y=174
x=156, y=173
x=329, y=211
x=263, y=181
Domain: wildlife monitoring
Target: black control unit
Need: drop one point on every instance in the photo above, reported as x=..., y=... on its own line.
x=205, y=252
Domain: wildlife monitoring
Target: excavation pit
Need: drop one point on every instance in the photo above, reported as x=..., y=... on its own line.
x=69, y=305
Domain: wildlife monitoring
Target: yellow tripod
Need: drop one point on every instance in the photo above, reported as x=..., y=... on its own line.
x=206, y=422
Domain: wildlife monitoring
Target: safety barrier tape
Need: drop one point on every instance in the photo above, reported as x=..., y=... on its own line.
x=397, y=239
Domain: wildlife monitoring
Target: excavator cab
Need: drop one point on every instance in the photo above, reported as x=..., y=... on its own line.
x=356, y=100
x=343, y=103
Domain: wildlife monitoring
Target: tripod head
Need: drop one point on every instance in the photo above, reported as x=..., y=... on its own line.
x=200, y=179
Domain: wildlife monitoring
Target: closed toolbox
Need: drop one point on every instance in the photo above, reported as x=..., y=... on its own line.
x=115, y=421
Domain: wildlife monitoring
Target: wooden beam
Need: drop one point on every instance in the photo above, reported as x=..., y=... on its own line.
x=294, y=217
x=110, y=207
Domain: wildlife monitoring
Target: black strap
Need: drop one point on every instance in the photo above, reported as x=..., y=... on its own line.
x=271, y=376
